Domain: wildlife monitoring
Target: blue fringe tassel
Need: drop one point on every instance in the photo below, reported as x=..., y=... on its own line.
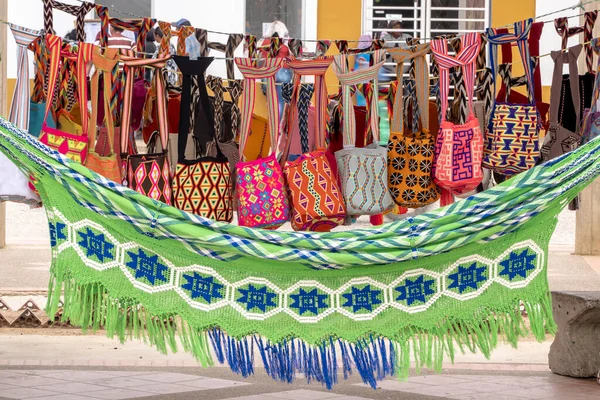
x=373, y=358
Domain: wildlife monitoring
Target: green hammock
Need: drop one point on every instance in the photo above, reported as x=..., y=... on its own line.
x=368, y=300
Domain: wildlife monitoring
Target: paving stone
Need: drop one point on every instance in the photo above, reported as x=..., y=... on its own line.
x=63, y=396
x=72, y=387
x=303, y=394
x=32, y=381
x=25, y=393
x=118, y=394
x=167, y=388
x=168, y=377
x=118, y=382
x=213, y=383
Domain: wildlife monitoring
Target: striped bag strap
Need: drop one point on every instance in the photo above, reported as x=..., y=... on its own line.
x=251, y=74
x=79, y=57
x=348, y=79
x=562, y=28
x=105, y=66
x=165, y=42
x=465, y=59
x=317, y=68
x=519, y=36
x=233, y=41
x=19, y=108
x=78, y=11
x=130, y=64
x=417, y=56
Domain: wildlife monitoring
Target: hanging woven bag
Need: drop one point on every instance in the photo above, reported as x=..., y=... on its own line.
x=149, y=174
x=260, y=185
x=316, y=200
x=201, y=186
x=363, y=171
x=411, y=153
x=511, y=143
x=459, y=148
x=106, y=165
x=73, y=146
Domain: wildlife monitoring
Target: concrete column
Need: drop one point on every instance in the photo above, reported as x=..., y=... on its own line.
x=587, y=229
x=3, y=102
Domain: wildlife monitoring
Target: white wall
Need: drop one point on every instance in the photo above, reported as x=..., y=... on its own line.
x=227, y=16
x=550, y=39
x=29, y=13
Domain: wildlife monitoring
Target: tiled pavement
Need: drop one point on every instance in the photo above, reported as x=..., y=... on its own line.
x=154, y=385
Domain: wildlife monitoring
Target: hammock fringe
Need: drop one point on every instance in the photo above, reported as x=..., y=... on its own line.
x=90, y=306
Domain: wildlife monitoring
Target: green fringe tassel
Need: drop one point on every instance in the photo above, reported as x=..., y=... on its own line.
x=91, y=307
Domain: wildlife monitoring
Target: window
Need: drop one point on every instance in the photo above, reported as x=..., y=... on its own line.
x=425, y=18
x=122, y=8
x=261, y=13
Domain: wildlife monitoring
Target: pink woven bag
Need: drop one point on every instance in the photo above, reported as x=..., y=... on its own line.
x=459, y=148
x=263, y=198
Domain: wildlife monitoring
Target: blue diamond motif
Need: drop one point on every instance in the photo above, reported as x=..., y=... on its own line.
x=255, y=297
x=204, y=287
x=415, y=290
x=147, y=266
x=518, y=264
x=57, y=232
x=308, y=301
x=364, y=298
x=467, y=277
x=96, y=245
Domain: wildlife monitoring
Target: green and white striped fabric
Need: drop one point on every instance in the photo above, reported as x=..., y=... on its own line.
x=369, y=300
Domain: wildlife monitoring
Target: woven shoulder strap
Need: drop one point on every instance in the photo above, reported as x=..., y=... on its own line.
x=317, y=68
x=193, y=68
x=82, y=55
x=562, y=28
x=105, y=66
x=130, y=65
x=348, y=79
x=79, y=12
x=560, y=58
x=19, y=108
x=519, y=36
x=233, y=41
x=165, y=42
x=182, y=34
x=140, y=27
x=533, y=42
x=251, y=74
x=418, y=57
x=508, y=81
x=465, y=59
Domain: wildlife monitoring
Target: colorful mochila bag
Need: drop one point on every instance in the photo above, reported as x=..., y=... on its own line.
x=316, y=201
x=559, y=139
x=512, y=142
x=201, y=186
x=411, y=153
x=363, y=171
x=74, y=147
x=459, y=148
x=260, y=185
x=106, y=165
x=149, y=174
